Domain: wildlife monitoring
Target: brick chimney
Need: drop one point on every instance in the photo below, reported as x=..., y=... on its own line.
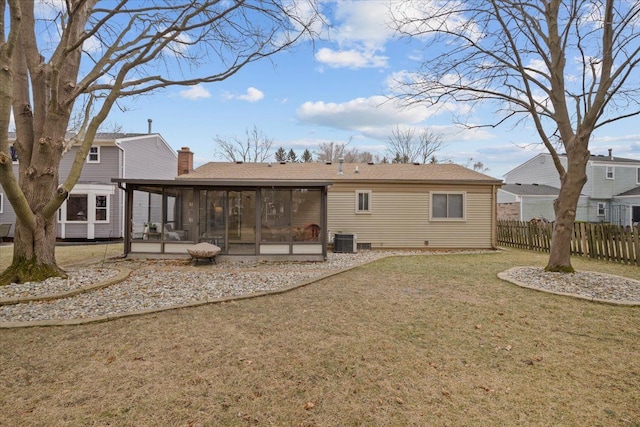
x=185, y=161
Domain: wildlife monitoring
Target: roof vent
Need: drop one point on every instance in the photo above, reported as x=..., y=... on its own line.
x=340, y=162
x=370, y=163
x=535, y=184
x=282, y=162
x=328, y=162
x=610, y=153
x=269, y=165
x=357, y=170
x=238, y=162
x=416, y=163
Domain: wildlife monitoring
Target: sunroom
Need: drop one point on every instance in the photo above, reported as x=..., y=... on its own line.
x=264, y=220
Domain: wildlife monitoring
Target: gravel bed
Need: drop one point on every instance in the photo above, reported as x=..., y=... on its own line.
x=586, y=284
x=77, y=279
x=165, y=283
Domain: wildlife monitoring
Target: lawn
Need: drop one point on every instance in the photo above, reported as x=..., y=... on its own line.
x=405, y=341
x=69, y=254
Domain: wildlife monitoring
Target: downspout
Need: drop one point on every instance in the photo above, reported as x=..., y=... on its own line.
x=122, y=198
x=494, y=216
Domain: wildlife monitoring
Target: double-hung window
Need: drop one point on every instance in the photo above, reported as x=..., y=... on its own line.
x=609, y=172
x=448, y=206
x=363, y=201
x=101, y=207
x=94, y=155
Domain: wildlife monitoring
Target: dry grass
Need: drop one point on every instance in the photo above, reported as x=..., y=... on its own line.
x=408, y=341
x=68, y=255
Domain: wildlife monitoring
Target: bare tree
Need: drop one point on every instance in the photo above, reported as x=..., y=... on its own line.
x=97, y=54
x=330, y=151
x=567, y=67
x=255, y=148
x=407, y=145
x=333, y=152
x=476, y=166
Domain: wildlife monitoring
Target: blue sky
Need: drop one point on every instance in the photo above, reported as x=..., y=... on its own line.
x=335, y=91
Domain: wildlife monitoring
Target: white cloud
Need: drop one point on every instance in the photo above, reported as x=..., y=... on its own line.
x=372, y=116
x=350, y=58
x=361, y=30
x=195, y=92
x=252, y=95
x=92, y=45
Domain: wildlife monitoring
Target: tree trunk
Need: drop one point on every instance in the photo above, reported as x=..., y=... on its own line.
x=35, y=242
x=33, y=253
x=565, y=210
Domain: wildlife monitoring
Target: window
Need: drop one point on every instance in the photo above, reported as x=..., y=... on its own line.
x=94, y=155
x=447, y=206
x=602, y=208
x=1, y=202
x=88, y=203
x=363, y=201
x=609, y=172
x=14, y=154
x=77, y=207
x=276, y=215
x=101, y=208
x=637, y=175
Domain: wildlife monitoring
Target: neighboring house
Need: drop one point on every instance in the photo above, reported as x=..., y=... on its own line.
x=610, y=194
x=95, y=207
x=524, y=202
x=295, y=209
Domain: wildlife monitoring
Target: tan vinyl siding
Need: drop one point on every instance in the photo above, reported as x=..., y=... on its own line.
x=400, y=217
x=475, y=232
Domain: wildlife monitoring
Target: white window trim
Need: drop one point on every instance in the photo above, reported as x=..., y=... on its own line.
x=464, y=206
x=601, y=206
x=97, y=152
x=1, y=203
x=606, y=172
x=637, y=175
x=91, y=190
x=367, y=211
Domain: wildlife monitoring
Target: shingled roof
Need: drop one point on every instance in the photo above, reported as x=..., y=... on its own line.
x=351, y=172
x=530, y=189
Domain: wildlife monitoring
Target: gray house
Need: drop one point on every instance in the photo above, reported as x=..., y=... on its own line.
x=95, y=207
x=524, y=202
x=611, y=193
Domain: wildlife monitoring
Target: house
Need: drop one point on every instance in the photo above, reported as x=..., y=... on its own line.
x=610, y=194
x=524, y=202
x=296, y=209
x=95, y=207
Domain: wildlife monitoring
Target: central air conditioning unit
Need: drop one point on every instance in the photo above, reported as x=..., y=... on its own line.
x=345, y=243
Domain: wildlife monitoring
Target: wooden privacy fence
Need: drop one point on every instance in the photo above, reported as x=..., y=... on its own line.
x=600, y=241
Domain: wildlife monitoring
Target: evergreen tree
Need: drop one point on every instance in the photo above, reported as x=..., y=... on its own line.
x=292, y=157
x=306, y=156
x=281, y=155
